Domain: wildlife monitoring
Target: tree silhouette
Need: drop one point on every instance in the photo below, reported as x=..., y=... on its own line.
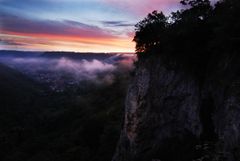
x=192, y=36
x=150, y=31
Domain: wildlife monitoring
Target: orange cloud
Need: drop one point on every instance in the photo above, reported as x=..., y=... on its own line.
x=69, y=43
x=22, y=33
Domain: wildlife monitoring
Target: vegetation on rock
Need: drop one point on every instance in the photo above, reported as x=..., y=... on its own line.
x=193, y=36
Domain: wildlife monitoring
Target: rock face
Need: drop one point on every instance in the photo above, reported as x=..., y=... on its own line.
x=169, y=112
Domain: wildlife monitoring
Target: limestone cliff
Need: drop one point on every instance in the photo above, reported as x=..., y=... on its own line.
x=171, y=114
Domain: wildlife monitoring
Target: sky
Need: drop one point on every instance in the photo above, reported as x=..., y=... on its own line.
x=74, y=25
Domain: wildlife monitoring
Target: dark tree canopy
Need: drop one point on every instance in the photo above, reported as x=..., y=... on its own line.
x=193, y=35
x=150, y=31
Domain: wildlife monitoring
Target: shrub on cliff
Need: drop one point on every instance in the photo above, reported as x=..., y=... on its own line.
x=193, y=36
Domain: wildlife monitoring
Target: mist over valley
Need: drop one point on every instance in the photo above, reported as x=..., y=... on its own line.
x=61, y=70
x=60, y=105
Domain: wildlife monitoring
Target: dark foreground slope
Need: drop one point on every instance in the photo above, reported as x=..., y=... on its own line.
x=183, y=103
x=39, y=125
x=15, y=85
x=16, y=92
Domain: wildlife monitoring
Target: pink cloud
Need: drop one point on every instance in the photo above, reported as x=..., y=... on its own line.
x=142, y=7
x=13, y=23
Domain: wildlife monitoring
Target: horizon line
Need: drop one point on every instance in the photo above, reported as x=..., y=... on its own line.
x=58, y=51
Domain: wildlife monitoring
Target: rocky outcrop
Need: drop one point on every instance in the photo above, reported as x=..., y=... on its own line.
x=169, y=112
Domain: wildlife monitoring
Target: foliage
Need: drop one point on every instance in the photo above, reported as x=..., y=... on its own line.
x=149, y=30
x=193, y=36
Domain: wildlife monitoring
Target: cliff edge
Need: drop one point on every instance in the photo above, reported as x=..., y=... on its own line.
x=184, y=101
x=171, y=114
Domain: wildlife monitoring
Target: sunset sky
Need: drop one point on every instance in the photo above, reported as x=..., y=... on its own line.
x=74, y=25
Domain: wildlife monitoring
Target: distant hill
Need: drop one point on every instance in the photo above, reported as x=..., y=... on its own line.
x=19, y=53
x=55, y=54
x=75, y=55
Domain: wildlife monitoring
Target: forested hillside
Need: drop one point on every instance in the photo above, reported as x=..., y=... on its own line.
x=38, y=124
